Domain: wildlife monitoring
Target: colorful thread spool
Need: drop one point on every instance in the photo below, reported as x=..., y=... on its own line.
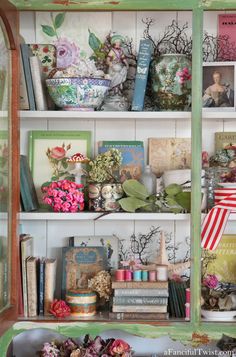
x=120, y=275
x=188, y=296
x=128, y=275
x=187, y=311
x=162, y=272
x=137, y=276
x=144, y=275
x=152, y=276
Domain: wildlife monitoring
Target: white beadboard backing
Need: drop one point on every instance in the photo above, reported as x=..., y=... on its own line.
x=51, y=235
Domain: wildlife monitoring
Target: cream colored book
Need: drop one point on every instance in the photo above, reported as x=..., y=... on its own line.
x=38, y=83
x=31, y=271
x=50, y=284
x=139, y=308
x=169, y=154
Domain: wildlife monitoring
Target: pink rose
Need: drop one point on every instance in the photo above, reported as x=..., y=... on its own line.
x=57, y=153
x=47, y=200
x=59, y=308
x=67, y=53
x=211, y=281
x=54, y=193
x=57, y=207
x=58, y=200
x=74, y=208
x=61, y=194
x=119, y=347
x=65, y=207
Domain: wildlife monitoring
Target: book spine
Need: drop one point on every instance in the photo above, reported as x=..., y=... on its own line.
x=139, y=308
x=28, y=78
x=142, y=292
x=24, y=281
x=144, y=58
x=49, y=285
x=139, y=285
x=27, y=188
x=138, y=316
x=24, y=101
x=31, y=286
x=40, y=98
x=126, y=300
x=41, y=276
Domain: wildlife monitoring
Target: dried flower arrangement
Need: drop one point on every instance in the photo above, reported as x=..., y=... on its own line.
x=89, y=347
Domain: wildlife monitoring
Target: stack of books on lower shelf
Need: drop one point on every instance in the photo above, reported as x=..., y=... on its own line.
x=177, y=298
x=37, y=280
x=140, y=300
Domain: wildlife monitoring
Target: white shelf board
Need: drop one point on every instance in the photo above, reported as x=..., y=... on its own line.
x=57, y=216
x=122, y=216
x=61, y=114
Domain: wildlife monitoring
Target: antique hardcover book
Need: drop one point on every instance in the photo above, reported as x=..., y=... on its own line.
x=139, y=308
x=225, y=140
x=140, y=285
x=142, y=292
x=26, y=250
x=169, y=154
x=110, y=243
x=41, y=283
x=32, y=295
x=224, y=264
x=24, y=100
x=49, y=284
x=132, y=157
x=27, y=189
x=227, y=29
x=138, y=316
x=26, y=53
x=38, y=83
x=144, y=58
x=47, y=56
x=79, y=264
x=140, y=300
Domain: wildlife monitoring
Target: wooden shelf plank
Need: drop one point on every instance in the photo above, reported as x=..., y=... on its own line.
x=60, y=114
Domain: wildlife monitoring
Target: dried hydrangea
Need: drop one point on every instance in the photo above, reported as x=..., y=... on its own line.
x=101, y=284
x=105, y=166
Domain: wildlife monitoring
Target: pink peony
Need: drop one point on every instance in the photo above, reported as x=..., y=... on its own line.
x=211, y=281
x=67, y=53
x=119, y=348
x=57, y=153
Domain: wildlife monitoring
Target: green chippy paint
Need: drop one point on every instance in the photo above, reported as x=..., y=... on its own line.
x=196, y=141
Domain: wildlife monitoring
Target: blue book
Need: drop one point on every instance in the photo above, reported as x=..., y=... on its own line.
x=25, y=54
x=144, y=58
x=41, y=281
x=132, y=157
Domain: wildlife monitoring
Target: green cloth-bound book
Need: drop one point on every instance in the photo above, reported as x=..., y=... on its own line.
x=27, y=189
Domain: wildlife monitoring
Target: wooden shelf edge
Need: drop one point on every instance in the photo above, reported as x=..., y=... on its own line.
x=118, y=216
x=100, y=115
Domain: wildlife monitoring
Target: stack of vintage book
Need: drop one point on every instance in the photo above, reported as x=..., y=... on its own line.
x=140, y=300
x=37, y=280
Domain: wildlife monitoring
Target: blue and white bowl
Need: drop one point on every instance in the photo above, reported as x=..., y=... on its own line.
x=78, y=93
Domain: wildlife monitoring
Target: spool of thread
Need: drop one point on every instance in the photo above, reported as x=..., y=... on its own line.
x=152, y=276
x=188, y=297
x=144, y=275
x=137, y=275
x=187, y=311
x=162, y=272
x=128, y=275
x=120, y=275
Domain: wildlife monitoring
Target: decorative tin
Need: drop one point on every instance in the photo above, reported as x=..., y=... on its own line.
x=82, y=302
x=171, y=82
x=103, y=197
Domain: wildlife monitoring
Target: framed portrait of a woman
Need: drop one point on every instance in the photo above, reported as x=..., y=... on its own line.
x=218, y=86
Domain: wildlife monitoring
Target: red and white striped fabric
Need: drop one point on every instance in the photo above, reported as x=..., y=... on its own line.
x=214, y=223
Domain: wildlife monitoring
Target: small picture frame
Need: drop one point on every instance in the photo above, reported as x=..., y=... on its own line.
x=39, y=144
x=219, y=86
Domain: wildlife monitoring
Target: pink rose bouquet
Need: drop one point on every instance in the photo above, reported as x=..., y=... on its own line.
x=64, y=196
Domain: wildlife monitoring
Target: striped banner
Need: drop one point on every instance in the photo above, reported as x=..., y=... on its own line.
x=214, y=223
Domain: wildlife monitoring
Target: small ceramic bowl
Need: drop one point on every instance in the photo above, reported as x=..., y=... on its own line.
x=218, y=315
x=78, y=93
